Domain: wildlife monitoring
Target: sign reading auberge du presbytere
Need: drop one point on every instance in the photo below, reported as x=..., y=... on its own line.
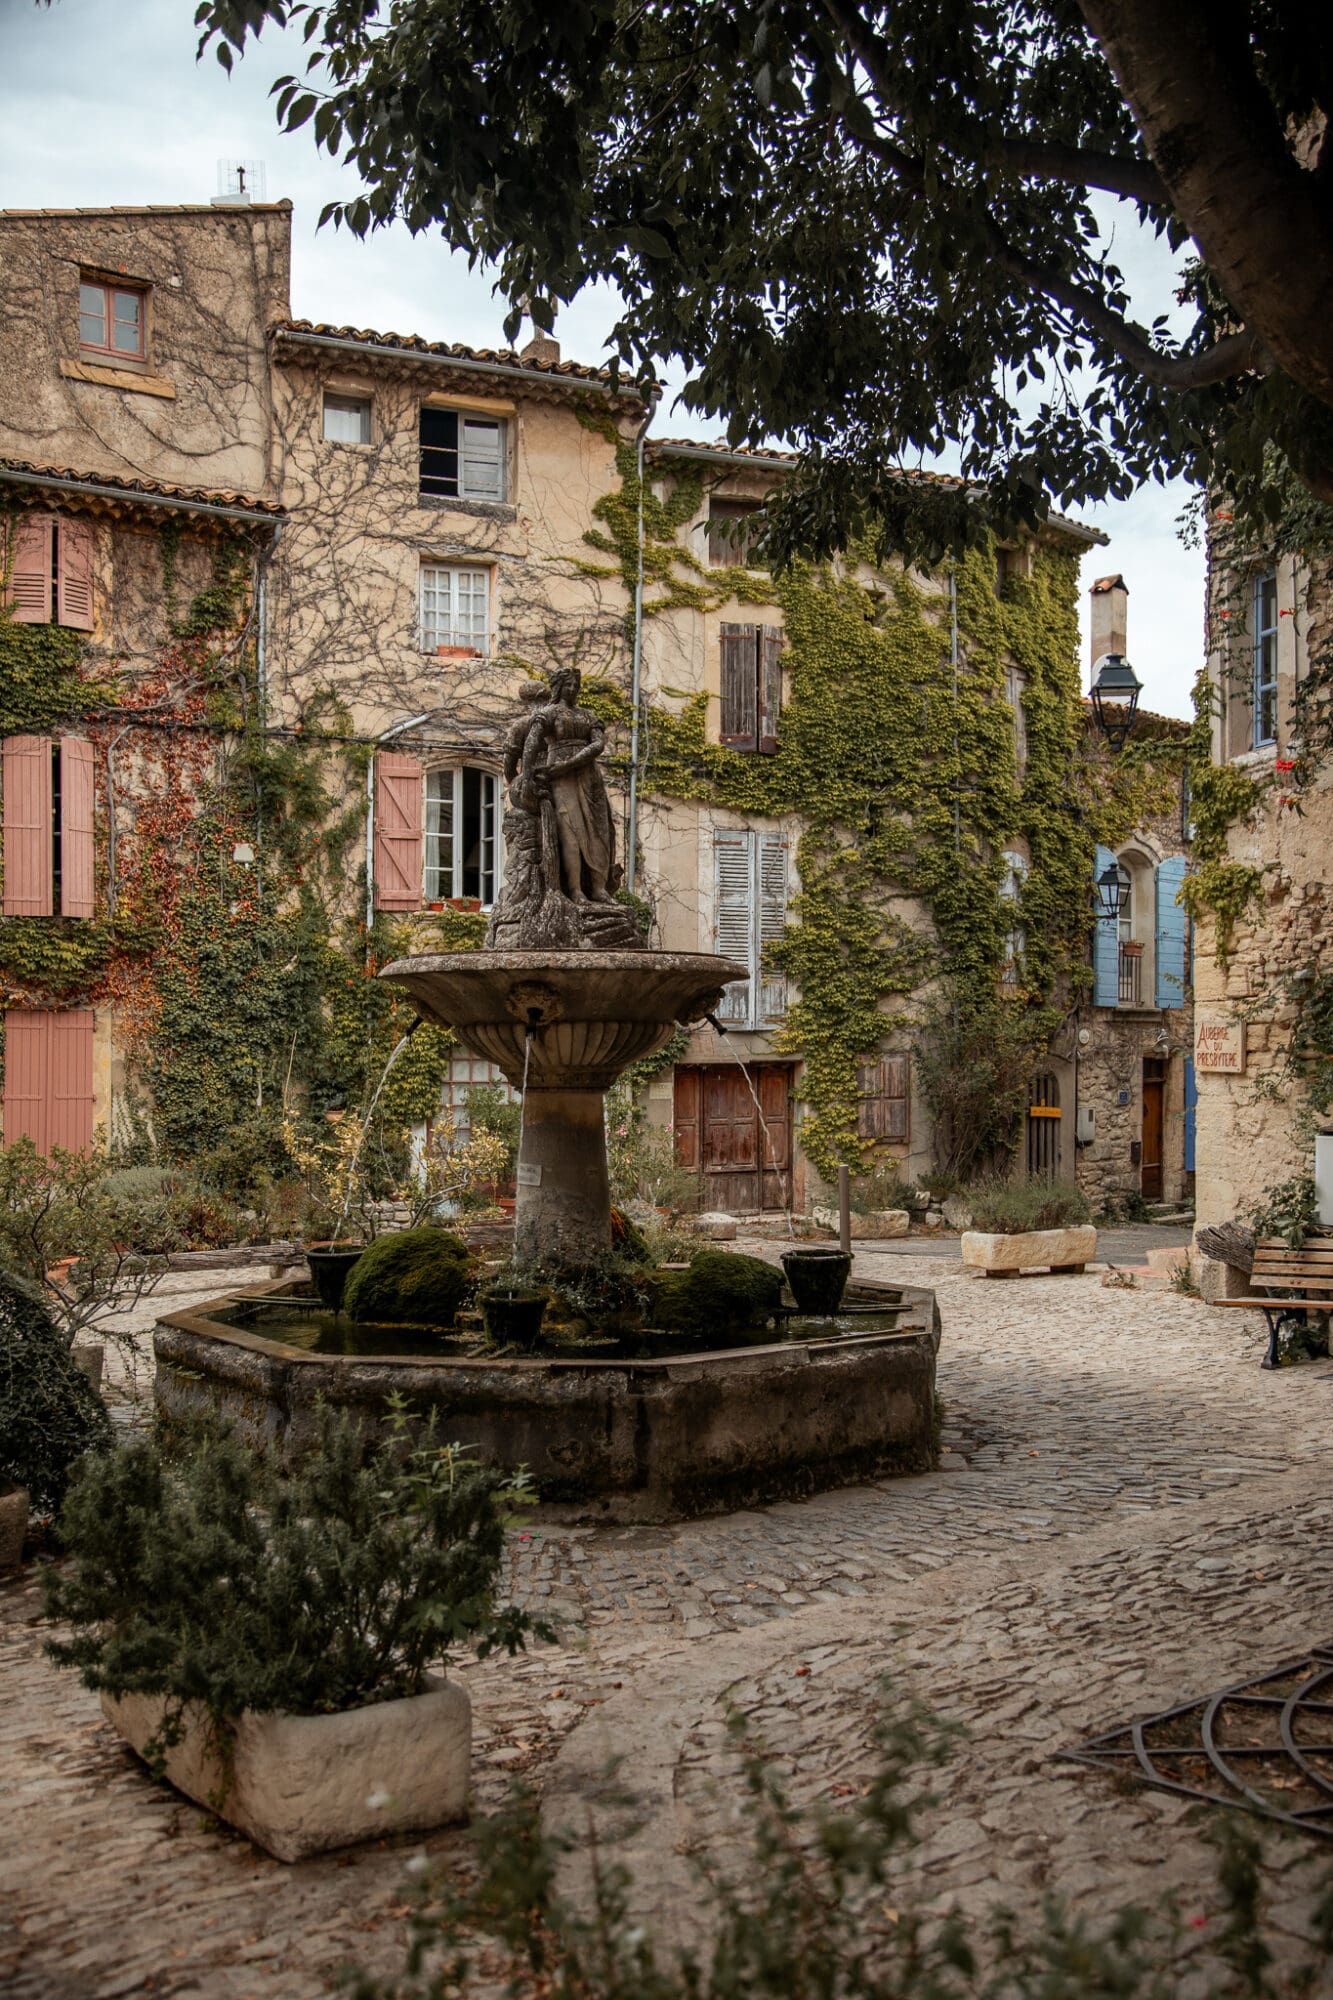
x=1219, y=1047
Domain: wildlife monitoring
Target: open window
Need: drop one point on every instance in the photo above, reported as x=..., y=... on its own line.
x=463, y=457
x=463, y=813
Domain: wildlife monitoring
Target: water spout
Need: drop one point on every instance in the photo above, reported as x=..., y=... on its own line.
x=396, y=1051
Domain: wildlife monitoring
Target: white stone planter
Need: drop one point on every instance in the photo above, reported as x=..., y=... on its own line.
x=300, y=1784
x=1030, y=1250
x=14, y=1507
x=874, y=1227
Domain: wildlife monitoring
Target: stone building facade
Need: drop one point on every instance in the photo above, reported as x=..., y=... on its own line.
x=413, y=528
x=1260, y=980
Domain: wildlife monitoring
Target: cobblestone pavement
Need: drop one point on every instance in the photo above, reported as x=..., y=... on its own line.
x=1130, y=1512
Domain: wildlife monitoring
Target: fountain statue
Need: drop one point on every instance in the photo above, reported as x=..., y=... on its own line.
x=566, y=993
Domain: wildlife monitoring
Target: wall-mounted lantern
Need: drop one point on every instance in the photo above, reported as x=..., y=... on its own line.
x=1115, y=698
x=1110, y=894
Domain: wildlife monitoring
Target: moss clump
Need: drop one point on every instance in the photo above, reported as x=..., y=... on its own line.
x=417, y=1277
x=720, y=1293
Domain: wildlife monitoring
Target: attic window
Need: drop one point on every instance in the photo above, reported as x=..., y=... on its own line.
x=346, y=419
x=113, y=319
x=463, y=457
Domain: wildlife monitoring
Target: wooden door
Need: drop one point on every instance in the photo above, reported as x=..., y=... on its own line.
x=719, y=1131
x=1154, y=1093
x=1044, y=1128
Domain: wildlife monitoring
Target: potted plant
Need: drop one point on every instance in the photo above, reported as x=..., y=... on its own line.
x=817, y=1275
x=337, y=1225
x=1027, y=1225
x=512, y=1309
x=50, y=1414
x=266, y=1643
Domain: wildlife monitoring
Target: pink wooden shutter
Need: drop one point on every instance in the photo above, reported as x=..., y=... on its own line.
x=740, y=721
x=29, y=861
x=27, y=1098
x=76, y=827
x=398, y=832
x=29, y=590
x=71, y=1074
x=75, y=544
x=770, y=686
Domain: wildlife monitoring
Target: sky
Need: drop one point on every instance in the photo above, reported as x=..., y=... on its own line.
x=102, y=103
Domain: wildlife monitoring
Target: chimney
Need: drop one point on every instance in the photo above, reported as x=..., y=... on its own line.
x=542, y=347
x=1109, y=612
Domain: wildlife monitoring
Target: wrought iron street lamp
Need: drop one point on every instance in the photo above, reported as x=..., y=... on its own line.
x=1110, y=894
x=1115, y=698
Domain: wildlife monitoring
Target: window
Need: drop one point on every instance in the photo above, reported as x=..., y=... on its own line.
x=49, y=566
x=751, y=686
x=463, y=457
x=465, y=1073
x=1264, y=696
x=882, y=1110
x=455, y=608
x=113, y=320
x=734, y=528
x=749, y=913
x=1015, y=943
x=347, y=419
x=463, y=835
x=1015, y=685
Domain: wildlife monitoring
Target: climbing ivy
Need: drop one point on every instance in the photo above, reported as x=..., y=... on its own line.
x=1220, y=796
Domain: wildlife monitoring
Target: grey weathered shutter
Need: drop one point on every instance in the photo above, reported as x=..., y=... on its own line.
x=770, y=685
x=882, y=1112
x=740, y=686
x=772, y=870
x=733, y=916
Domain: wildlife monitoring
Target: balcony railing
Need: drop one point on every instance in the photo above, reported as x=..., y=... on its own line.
x=1131, y=969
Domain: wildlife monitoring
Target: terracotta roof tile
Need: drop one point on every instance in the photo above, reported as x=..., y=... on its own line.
x=159, y=208
x=112, y=484
x=494, y=357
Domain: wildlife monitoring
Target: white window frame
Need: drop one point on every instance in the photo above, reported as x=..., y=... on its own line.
x=339, y=404
x=751, y=890
x=1016, y=939
x=1263, y=671
x=483, y=457
x=443, y=860
x=447, y=598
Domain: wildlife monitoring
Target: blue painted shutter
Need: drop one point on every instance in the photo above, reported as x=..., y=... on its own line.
x=1105, y=943
x=1191, y=1099
x=1171, y=920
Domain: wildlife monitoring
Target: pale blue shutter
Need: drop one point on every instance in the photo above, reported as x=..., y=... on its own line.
x=1105, y=942
x=1171, y=922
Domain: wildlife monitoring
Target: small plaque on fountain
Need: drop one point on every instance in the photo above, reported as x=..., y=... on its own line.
x=527, y=1175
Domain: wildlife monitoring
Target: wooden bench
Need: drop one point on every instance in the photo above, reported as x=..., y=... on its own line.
x=1283, y=1273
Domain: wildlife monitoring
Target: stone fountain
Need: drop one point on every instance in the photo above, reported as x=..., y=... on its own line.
x=566, y=994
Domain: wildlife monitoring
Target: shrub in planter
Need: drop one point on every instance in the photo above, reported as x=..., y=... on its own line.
x=208, y=1594
x=415, y=1277
x=1012, y=1208
x=50, y=1414
x=720, y=1293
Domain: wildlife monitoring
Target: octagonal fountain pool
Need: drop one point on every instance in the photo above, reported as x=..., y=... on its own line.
x=644, y=1426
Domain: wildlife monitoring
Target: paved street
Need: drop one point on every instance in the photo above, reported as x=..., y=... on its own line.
x=1130, y=1512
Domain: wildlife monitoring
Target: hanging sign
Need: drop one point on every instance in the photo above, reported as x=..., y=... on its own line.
x=1219, y=1047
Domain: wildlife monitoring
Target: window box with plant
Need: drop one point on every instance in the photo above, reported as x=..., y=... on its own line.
x=267, y=1643
x=1027, y=1226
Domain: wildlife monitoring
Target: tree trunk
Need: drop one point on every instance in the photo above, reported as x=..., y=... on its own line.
x=1186, y=70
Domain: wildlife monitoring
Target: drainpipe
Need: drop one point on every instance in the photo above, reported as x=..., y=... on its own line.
x=261, y=684
x=636, y=673
x=394, y=729
x=953, y=663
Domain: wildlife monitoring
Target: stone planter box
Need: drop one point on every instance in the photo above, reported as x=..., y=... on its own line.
x=14, y=1506
x=877, y=1226
x=300, y=1784
x=1031, y=1250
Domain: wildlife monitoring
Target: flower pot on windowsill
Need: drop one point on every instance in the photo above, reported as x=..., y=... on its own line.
x=457, y=653
x=472, y=904
x=301, y=1784
x=436, y=907
x=1131, y=951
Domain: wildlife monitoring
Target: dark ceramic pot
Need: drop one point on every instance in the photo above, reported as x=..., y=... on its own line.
x=330, y=1265
x=818, y=1278
x=513, y=1318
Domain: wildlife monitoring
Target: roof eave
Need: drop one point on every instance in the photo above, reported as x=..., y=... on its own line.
x=48, y=482
x=533, y=378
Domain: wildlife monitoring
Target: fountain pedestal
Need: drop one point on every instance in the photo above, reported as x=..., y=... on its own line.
x=562, y=1026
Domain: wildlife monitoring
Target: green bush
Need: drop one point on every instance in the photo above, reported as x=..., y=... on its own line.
x=721, y=1292
x=490, y=1109
x=50, y=1414
x=415, y=1277
x=214, y=1580
x=1010, y=1207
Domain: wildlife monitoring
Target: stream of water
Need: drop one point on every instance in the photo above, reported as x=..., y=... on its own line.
x=396, y=1051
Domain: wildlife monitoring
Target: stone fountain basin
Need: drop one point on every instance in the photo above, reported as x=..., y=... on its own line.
x=604, y=1440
